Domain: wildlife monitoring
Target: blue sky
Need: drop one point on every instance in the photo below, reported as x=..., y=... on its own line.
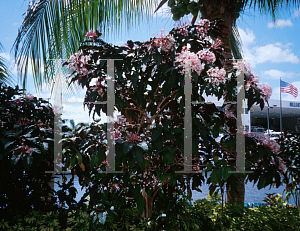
x=273, y=50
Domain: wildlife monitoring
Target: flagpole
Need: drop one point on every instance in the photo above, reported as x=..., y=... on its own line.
x=280, y=108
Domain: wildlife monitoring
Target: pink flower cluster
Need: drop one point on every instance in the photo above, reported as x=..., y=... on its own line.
x=23, y=121
x=120, y=128
x=245, y=67
x=133, y=137
x=228, y=114
x=163, y=41
x=206, y=55
x=217, y=74
x=99, y=87
x=271, y=144
x=29, y=96
x=92, y=34
x=189, y=60
x=23, y=149
x=267, y=142
x=217, y=45
x=202, y=27
x=266, y=90
x=281, y=166
x=240, y=65
x=78, y=63
x=180, y=28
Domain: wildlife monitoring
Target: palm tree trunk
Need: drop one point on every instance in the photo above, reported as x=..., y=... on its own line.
x=226, y=10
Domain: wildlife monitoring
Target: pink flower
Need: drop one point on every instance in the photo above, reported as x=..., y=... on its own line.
x=267, y=142
x=229, y=114
x=117, y=134
x=197, y=168
x=202, y=27
x=78, y=62
x=23, y=150
x=29, y=96
x=266, y=90
x=217, y=45
x=217, y=74
x=99, y=87
x=206, y=55
x=181, y=28
x=92, y=34
x=189, y=60
x=282, y=166
x=23, y=121
x=133, y=137
x=240, y=65
x=17, y=101
x=163, y=41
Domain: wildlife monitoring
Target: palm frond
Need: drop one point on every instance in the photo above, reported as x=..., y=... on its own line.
x=236, y=44
x=272, y=7
x=53, y=29
x=5, y=75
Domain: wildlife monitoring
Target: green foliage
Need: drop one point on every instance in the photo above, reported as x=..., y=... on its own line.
x=204, y=214
x=26, y=152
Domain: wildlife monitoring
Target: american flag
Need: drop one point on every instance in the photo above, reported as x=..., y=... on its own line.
x=288, y=88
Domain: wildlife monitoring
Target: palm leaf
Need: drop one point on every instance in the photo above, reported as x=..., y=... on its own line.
x=53, y=29
x=5, y=75
x=235, y=43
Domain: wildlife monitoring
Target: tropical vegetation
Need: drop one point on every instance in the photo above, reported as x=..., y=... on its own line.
x=152, y=189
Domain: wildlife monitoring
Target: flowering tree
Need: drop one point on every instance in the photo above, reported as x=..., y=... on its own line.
x=149, y=93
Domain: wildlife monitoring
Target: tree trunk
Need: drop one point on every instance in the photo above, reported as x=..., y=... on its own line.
x=148, y=204
x=237, y=196
x=227, y=11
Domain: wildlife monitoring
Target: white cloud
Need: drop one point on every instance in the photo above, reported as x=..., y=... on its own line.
x=276, y=74
x=247, y=37
x=275, y=53
x=280, y=23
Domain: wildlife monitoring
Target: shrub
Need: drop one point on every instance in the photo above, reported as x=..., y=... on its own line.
x=26, y=152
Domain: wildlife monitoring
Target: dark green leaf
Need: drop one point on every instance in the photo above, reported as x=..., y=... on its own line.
x=169, y=158
x=159, y=143
x=155, y=134
x=261, y=182
x=127, y=147
x=209, y=167
x=138, y=155
x=213, y=177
